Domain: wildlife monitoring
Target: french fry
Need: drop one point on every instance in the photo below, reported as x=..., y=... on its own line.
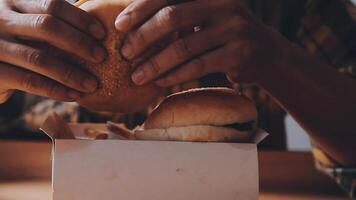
x=95, y=134
x=116, y=129
x=80, y=2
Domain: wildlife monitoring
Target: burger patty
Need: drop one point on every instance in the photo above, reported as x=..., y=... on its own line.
x=248, y=126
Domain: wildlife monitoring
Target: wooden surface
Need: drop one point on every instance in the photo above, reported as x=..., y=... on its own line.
x=41, y=190
x=25, y=170
x=25, y=160
x=293, y=172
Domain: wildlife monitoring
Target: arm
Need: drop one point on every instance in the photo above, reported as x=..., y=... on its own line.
x=321, y=100
x=233, y=41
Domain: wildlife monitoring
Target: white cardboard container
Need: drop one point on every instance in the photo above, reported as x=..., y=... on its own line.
x=151, y=170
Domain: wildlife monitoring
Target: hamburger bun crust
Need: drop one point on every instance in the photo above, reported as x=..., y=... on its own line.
x=116, y=92
x=199, y=133
x=203, y=106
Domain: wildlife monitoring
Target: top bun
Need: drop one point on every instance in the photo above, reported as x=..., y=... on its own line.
x=117, y=92
x=204, y=106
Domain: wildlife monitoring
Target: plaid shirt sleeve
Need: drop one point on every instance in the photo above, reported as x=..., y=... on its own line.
x=333, y=38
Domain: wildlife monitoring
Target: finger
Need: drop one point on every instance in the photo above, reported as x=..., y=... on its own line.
x=219, y=60
x=149, y=53
x=183, y=50
x=194, y=69
x=16, y=78
x=168, y=20
x=140, y=10
x=243, y=68
x=51, y=50
x=43, y=63
x=165, y=21
x=136, y=13
x=5, y=95
x=66, y=12
x=57, y=33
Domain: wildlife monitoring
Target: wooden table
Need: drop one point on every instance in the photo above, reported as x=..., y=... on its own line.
x=41, y=190
x=25, y=170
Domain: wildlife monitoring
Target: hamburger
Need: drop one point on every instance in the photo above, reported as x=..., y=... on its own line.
x=116, y=92
x=201, y=115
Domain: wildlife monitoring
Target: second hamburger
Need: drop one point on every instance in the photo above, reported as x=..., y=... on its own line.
x=201, y=115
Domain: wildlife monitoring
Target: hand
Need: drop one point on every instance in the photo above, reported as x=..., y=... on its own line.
x=231, y=40
x=36, y=37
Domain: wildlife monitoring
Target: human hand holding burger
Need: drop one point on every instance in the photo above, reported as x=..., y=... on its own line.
x=231, y=40
x=36, y=37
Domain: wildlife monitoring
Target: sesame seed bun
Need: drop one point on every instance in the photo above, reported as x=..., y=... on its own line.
x=117, y=92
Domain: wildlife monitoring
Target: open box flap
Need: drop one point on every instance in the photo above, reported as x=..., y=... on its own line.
x=259, y=136
x=56, y=128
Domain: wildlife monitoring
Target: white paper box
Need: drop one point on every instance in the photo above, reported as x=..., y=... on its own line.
x=152, y=170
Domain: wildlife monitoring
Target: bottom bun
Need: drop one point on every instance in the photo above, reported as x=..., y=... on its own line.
x=198, y=133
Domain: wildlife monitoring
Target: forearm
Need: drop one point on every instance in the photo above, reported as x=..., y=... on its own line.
x=239, y=45
x=323, y=102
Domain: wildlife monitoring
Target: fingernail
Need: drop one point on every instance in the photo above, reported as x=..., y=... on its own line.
x=138, y=76
x=97, y=31
x=90, y=84
x=122, y=23
x=99, y=53
x=127, y=51
x=74, y=95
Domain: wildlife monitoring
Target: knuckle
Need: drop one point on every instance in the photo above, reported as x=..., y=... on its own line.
x=81, y=41
x=51, y=6
x=30, y=82
x=7, y=18
x=36, y=58
x=52, y=90
x=236, y=45
x=169, y=16
x=245, y=50
x=45, y=22
x=15, y=49
x=139, y=37
x=154, y=67
x=234, y=48
x=68, y=74
x=182, y=49
x=239, y=24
